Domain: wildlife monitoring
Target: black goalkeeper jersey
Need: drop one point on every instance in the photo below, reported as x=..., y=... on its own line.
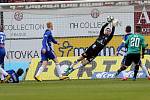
x=103, y=39
x=99, y=44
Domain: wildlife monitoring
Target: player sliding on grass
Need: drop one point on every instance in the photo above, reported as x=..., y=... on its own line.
x=123, y=49
x=134, y=44
x=14, y=76
x=105, y=36
x=47, y=53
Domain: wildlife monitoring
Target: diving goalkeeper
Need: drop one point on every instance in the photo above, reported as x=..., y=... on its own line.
x=105, y=36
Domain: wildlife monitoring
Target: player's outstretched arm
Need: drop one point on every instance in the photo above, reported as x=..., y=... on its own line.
x=102, y=29
x=109, y=20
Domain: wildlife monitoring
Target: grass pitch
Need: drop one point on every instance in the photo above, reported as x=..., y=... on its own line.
x=106, y=89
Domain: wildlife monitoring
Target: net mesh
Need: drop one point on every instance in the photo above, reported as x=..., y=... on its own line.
x=76, y=25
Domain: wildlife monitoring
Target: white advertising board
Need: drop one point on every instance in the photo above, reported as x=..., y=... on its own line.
x=69, y=22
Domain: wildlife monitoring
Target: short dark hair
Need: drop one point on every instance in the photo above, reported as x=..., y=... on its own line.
x=20, y=71
x=1, y=28
x=138, y=29
x=128, y=28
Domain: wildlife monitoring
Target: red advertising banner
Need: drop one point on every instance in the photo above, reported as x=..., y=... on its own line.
x=142, y=17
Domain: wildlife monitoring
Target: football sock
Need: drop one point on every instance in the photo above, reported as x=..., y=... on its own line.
x=2, y=71
x=81, y=65
x=136, y=71
x=58, y=70
x=75, y=62
x=121, y=69
x=145, y=70
x=71, y=66
x=40, y=71
x=2, y=76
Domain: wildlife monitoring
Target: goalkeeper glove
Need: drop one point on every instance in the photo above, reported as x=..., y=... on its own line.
x=115, y=22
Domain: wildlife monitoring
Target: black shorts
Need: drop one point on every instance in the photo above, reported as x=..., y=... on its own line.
x=132, y=58
x=92, y=52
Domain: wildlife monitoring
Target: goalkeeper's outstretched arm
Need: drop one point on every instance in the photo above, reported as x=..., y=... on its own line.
x=103, y=28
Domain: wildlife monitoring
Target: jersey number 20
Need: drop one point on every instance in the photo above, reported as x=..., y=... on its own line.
x=135, y=42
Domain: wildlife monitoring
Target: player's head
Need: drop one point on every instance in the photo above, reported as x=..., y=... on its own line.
x=107, y=31
x=138, y=29
x=128, y=29
x=50, y=25
x=20, y=71
x=1, y=28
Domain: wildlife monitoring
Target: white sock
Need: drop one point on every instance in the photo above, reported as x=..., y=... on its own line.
x=2, y=76
x=145, y=70
x=75, y=62
x=71, y=66
x=40, y=71
x=58, y=70
x=81, y=65
x=2, y=71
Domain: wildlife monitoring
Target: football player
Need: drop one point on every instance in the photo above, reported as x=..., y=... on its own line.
x=2, y=56
x=47, y=53
x=103, y=39
x=135, y=44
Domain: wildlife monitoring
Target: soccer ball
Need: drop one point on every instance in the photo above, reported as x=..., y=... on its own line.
x=64, y=68
x=110, y=19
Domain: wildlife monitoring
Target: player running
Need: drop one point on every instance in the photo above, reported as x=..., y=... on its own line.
x=47, y=53
x=121, y=50
x=134, y=43
x=105, y=36
x=2, y=56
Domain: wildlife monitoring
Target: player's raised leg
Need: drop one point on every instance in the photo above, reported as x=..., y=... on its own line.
x=71, y=69
x=77, y=61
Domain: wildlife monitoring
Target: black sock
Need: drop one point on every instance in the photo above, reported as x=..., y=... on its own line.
x=121, y=69
x=136, y=71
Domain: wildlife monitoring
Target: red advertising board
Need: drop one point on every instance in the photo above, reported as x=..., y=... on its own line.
x=142, y=17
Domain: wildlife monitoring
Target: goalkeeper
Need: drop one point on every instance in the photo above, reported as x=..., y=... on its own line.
x=105, y=36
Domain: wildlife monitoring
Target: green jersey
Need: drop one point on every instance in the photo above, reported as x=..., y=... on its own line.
x=135, y=43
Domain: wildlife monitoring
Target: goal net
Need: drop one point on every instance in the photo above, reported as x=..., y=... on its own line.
x=76, y=25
